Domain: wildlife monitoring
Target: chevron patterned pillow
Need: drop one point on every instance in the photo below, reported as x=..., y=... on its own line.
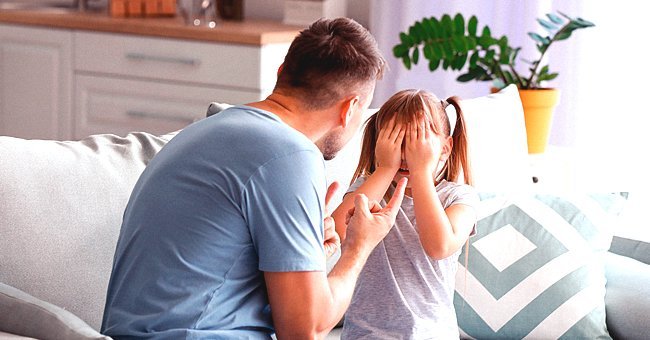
x=535, y=269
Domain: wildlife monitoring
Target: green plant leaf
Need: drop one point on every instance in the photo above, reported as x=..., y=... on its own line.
x=471, y=43
x=509, y=78
x=407, y=62
x=547, y=25
x=460, y=61
x=513, y=55
x=417, y=32
x=554, y=18
x=498, y=83
x=445, y=64
x=584, y=23
x=458, y=44
x=552, y=76
x=504, y=56
x=539, y=38
x=447, y=25
x=416, y=56
x=438, y=51
x=433, y=64
x=429, y=31
x=428, y=51
x=484, y=41
x=459, y=24
x=406, y=39
x=400, y=50
x=464, y=78
x=503, y=43
x=437, y=28
x=543, y=70
x=473, y=59
x=489, y=55
x=472, y=25
x=447, y=49
x=474, y=73
x=486, y=32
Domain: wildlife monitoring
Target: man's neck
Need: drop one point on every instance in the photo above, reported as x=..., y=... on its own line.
x=310, y=123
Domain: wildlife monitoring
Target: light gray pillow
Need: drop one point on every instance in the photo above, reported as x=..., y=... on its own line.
x=61, y=209
x=25, y=315
x=628, y=297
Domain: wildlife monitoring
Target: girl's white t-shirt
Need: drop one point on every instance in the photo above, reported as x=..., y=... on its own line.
x=402, y=293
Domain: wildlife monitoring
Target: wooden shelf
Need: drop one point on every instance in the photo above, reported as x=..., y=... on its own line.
x=247, y=32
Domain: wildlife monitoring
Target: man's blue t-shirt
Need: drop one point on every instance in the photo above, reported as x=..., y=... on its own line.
x=228, y=198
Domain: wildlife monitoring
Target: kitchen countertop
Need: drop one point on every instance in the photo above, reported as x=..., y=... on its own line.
x=247, y=32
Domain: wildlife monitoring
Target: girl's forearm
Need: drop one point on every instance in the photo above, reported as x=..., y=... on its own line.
x=437, y=233
x=374, y=187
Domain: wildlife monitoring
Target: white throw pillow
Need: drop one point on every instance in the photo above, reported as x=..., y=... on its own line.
x=497, y=141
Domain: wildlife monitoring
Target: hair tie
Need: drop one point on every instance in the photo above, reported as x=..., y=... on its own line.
x=452, y=116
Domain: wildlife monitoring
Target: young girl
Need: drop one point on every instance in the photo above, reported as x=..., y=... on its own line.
x=406, y=288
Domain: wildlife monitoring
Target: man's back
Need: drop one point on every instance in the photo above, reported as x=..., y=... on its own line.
x=212, y=211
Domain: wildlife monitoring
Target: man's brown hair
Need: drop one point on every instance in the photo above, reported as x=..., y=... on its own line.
x=328, y=60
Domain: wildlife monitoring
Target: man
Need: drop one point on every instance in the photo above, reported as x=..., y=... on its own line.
x=226, y=230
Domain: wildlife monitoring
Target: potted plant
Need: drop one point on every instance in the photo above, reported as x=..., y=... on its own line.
x=453, y=43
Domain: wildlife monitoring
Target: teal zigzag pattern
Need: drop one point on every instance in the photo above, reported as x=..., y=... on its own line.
x=553, y=285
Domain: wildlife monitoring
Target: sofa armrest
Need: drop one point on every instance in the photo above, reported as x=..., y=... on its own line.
x=628, y=297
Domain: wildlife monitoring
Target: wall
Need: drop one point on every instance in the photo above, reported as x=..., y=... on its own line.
x=358, y=10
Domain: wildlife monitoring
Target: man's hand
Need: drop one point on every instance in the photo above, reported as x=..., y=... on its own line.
x=368, y=223
x=332, y=240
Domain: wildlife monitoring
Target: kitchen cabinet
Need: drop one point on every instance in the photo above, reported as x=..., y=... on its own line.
x=130, y=83
x=68, y=83
x=35, y=82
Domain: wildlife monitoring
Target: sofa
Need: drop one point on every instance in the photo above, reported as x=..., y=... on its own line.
x=543, y=264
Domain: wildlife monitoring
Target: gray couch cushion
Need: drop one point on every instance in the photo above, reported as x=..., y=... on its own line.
x=46, y=321
x=628, y=297
x=62, y=206
x=635, y=249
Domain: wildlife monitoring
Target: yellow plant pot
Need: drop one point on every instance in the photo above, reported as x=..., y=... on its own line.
x=539, y=105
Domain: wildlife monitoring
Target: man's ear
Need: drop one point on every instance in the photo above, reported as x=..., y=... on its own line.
x=348, y=106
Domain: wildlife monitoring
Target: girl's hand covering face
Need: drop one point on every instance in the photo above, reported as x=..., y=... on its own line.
x=423, y=147
x=388, y=151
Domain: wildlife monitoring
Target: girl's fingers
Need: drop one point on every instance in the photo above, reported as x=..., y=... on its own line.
x=399, y=135
x=409, y=132
x=395, y=130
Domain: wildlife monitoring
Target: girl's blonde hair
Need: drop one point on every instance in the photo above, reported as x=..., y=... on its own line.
x=405, y=106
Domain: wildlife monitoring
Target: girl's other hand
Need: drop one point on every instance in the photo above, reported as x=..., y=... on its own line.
x=423, y=147
x=388, y=151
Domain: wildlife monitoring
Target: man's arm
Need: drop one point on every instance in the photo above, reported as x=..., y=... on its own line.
x=307, y=305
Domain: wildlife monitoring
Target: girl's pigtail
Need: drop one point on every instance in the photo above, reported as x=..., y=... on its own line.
x=459, y=158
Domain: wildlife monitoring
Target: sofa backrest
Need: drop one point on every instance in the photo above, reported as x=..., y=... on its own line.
x=61, y=211
x=61, y=203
